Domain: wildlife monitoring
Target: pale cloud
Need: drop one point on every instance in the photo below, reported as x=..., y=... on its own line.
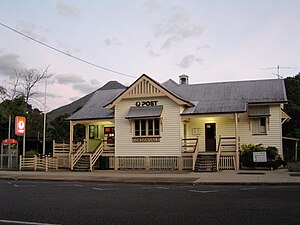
x=202, y=47
x=152, y=5
x=153, y=54
x=69, y=78
x=33, y=30
x=95, y=82
x=177, y=28
x=188, y=60
x=112, y=42
x=9, y=63
x=68, y=10
x=49, y=95
x=84, y=88
x=62, y=45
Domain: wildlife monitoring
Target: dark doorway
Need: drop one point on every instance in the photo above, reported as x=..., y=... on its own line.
x=210, y=137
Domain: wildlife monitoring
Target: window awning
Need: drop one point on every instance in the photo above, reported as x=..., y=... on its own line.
x=144, y=112
x=258, y=110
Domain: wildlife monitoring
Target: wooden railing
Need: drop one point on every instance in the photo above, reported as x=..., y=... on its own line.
x=226, y=144
x=38, y=162
x=189, y=144
x=227, y=162
x=64, y=147
x=60, y=147
x=163, y=163
x=108, y=148
x=96, y=154
x=130, y=162
x=195, y=154
x=77, y=155
x=187, y=163
x=154, y=163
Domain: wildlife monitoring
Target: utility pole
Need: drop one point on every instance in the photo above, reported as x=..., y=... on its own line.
x=45, y=119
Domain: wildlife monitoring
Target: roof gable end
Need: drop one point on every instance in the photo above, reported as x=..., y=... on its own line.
x=145, y=86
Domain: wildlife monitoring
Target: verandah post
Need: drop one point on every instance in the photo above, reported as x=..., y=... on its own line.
x=237, y=156
x=116, y=163
x=180, y=162
x=21, y=162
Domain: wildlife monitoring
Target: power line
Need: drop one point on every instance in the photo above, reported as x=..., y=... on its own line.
x=278, y=70
x=65, y=53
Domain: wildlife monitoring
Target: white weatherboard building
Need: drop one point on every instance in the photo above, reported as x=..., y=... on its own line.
x=151, y=125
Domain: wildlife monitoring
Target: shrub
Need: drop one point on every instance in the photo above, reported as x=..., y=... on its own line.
x=272, y=153
x=32, y=153
x=247, y=153
x=273, y=159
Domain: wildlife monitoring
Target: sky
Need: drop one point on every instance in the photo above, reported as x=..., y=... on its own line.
x=210, y=41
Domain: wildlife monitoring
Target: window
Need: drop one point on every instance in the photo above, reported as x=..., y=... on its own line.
x=146, y=127
x=259, y=125
x=93, y=132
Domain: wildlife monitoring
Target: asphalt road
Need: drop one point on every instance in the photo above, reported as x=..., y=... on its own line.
x=32, y=202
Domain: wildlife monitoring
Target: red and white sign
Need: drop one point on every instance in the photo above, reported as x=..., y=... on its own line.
x=20, y=125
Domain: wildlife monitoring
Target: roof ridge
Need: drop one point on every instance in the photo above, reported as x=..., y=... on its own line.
x=228, y=82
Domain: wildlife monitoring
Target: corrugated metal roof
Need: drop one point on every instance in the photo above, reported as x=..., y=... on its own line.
x=229, y=96
x=94, y=109
x=70, y=108
x=144, y=112
x=225, y=97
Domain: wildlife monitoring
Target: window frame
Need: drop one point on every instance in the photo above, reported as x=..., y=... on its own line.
x=93, y=131
x=152, y=128
x=257, y=127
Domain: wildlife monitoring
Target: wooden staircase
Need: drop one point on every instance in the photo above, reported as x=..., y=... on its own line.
x=83, y=164
x=82, y=161
x=206, y=163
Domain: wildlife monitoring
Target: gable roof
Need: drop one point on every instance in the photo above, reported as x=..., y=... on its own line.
x=73, y=106
x=160, y=88
x=225, y=97
x=94, y=109
x=209, y=98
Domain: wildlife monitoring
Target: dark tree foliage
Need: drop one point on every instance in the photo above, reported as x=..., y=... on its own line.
x=59, y=128
x=34, y=121
x=292, y=128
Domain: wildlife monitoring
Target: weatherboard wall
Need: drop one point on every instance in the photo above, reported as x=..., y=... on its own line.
x=225, y=127
x=169, y=144
x=274, y=130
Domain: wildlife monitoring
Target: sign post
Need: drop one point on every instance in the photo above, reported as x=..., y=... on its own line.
x=20, y=129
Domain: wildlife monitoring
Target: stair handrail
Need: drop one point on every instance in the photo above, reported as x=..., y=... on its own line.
x=75, y=156
x=220, y=148
x=185, y=145
x=195, y=154
x=96, y=154
x=219, y=153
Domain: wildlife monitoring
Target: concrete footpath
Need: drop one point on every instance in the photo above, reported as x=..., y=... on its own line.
x=242, y=177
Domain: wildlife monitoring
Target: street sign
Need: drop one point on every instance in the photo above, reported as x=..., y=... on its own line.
x=260, y=156
x=20, y=125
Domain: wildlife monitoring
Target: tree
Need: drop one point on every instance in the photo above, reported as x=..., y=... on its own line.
x=28, y=79
x=292, y=128
x=15, y=102
x=59, y=128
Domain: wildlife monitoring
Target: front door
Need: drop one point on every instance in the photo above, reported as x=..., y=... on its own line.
x=210, y=137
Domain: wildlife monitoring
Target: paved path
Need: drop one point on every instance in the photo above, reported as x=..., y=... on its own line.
x=247, y=177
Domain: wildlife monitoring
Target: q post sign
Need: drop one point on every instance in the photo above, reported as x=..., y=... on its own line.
x=20, y=125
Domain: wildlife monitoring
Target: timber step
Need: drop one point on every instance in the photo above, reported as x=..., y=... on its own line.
x=206, y=163
x=83, y=163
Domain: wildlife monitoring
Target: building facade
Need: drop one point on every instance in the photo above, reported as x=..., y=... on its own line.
x=151, y=125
